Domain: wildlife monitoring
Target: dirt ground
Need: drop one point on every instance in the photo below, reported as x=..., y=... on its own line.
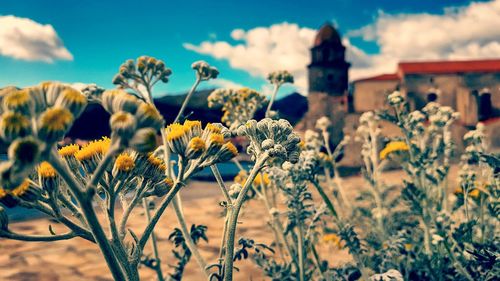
x=78, y=259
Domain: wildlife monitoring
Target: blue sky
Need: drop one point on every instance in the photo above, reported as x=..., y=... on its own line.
x=97, y=36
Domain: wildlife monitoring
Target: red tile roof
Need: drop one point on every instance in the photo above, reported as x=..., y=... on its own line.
x=381, y=77
x=491, y=65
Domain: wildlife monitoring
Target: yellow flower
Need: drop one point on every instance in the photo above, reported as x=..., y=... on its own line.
x=150, y=167
x=262, y=178
x=155, y=161
x=175, y=131
x=45, y=170
x=14, y=125
x=148, y=116
x=227, y=152
x=54, y=123
x=19, y=101
x=163, y=187
x=217, y=139
x=69, y=150
x=474, y=193
x=3, y=193
x=197, y=144
x=169, y=182
x=333, y=239
x=123, y=124
x=231, y=147
x=56, y=119
x=212, y=128
x=192, y=123
x=72, y=100
x=195, y=148
x=241, y=177
x=394, y=146
x=124, y=162
x=177, y=138
x=408, y=246
x=193, y=127
x=21, y=189
x=93, y=148
x=302, y=144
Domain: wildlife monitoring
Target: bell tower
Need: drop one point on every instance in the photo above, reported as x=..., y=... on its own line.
x=328, y=82
x=328, y=68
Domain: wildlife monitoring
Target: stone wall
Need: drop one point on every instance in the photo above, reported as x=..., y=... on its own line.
x=323, y=104
x=372, y=95
x=331, y=80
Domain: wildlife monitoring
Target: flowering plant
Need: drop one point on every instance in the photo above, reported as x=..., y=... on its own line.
x=392, y=232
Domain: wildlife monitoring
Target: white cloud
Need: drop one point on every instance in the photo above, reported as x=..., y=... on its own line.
x=224, y=83
x=265, y=49
x=469, y=32
x=25, y=39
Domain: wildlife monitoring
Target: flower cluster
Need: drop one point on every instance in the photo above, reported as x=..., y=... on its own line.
x=396, y=98
x=280, y=77
x=204, y=146
x=274, y=137
x=204, y=71
x=32, y=120
x=132, y=72
x=238, y=106
x=323, y=124
x=369, y=134
x=306, y=167
x=133, y=121
x=90, y=155
x=26, y=191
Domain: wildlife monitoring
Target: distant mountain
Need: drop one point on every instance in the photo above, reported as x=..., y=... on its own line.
x=292, y=107
x=94, y=122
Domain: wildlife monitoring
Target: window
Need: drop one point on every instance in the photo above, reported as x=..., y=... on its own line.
x=484, y=106
x=432, y=97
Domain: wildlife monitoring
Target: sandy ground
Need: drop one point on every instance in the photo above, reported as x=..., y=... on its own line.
x=77, y=259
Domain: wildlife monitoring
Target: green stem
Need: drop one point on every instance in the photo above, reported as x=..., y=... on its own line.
x=300, y=246
x=130, y=207
x=336, y=177
x=325, y=198
x=233, y=219
x=187, y=236
x=223, y=239
x=186, y=100
x=273, y=97
x=457, y=263
x=163, y=206
x=40, y=238
x=317, y=261
x=85, y=200
x=222, y=186
x=154, y=242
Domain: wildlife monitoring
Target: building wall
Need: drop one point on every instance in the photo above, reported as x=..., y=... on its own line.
x=372, y=95
x=322, y=104
x=459, y=91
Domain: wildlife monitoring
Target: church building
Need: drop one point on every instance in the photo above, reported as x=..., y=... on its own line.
x=470, y=87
